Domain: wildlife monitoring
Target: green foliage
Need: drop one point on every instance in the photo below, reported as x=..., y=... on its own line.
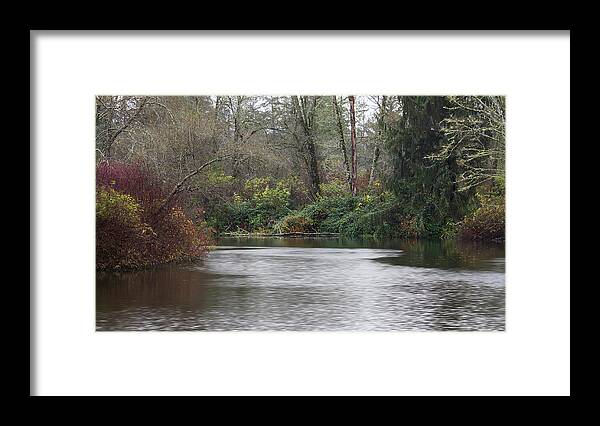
x=231, y=216
x=420, y=194
x=113, y=205
x=255, y=185
x=299, y=193
x=264, y=207
x=376, y=216
x=335, y=188
x=368, y=215
x=268, y=205
x=326, y=213
x=295, y=223
x=449, y=230
x=120, y=232
x=375, y=188
x=218, y=178
x=259, y=207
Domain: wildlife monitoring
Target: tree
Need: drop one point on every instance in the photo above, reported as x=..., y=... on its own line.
x=378, y=142
x=475, y=134
x=353, y=145
x=114, y=115
x=304, y=108
x=426, y=189
x=342, y=142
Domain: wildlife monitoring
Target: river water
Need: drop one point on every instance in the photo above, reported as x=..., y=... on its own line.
x=313, y=284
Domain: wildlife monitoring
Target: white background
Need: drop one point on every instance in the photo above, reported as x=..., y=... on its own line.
x=530, y=358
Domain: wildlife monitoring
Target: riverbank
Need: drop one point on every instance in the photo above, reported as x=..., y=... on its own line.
x=268, y=208
x=281, y=234
x=139, y=224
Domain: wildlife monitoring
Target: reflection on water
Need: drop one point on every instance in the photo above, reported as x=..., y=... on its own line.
x=315, y=284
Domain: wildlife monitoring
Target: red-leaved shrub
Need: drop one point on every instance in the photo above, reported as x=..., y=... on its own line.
x=135, y=180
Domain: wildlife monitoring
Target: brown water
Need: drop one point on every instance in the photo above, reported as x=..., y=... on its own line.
x=313, y=284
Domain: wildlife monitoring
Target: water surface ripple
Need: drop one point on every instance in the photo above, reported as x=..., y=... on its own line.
x=313, y=285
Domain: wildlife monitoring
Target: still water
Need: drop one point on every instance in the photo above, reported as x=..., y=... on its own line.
x=313, y=284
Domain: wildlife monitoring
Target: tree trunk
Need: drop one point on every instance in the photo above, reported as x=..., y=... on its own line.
x=305, y=115
x=374, y=165
x=381, y=130
x=313, y=167
x=353, y=144
x=340, y=126
x=237, y=134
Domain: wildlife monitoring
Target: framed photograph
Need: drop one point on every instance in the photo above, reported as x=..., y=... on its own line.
x=289, y=213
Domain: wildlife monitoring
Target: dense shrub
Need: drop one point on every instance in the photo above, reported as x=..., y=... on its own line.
x=377, y=216
x=258, y=208
x=487, y=222
x=269, y=205
x=131, y=230
x=178, y=238
x=230, y=216
x=255, y=185
x=299, y=193
x=120, y=208
x=326, y=213
x=334, y=189
x=449, y=230
x=265, y=206
x=376, y=187
x=120, y=233
x=406, y=228
x=295, y=223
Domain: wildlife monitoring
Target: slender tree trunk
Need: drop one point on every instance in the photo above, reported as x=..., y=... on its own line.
x=377, y=150
x=237, y=135
x=340, y=126
x=313, y=167
x=376, y=153
x=215, y=129
x=353, y=144
x=217, y=106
